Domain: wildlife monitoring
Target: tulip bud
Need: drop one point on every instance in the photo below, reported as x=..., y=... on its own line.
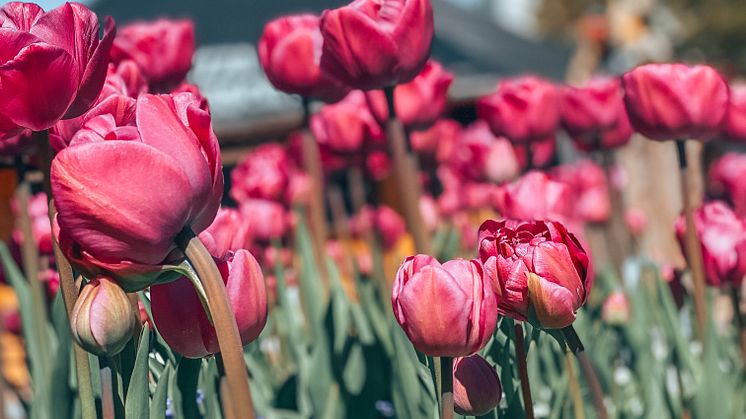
x=102, y=320
x=445, y=310
x=615, y=309
x=476, y=387
x=538, y=268
x=675, y=101
x=726, y=181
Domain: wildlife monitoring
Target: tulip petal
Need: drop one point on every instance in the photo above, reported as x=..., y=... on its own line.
x=179, y=317
x=20, y=16
x=121, y=200
x=247, y=294
x=552, y=304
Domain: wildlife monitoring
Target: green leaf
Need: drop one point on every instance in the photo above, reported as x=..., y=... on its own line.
x=354, y=370
x=158, y=405
x=136, y=402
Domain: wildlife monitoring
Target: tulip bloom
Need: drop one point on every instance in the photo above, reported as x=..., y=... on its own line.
x=722, y=237
x=437, y=140
x=102, y=320
x=675, y=101
x=53, y=64
x=374, y=44
x=41, y=231
x=734, y=125
x=163, y=50
x=445, y=310
x=418, y=103
x=290, y=54
x=536, y=196
x=346, y=127
x=594, y=114
x=476, y=387
x=227, y=233
x=726, y=180
x=588, y=182
x=180, y=317
x=267, y=219
x=524, y=109
x=262, y=174
x=538, y=268
x=122, y=200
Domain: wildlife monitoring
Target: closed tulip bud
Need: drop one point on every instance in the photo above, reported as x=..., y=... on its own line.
x=722, y=237
x=373, y=44
x=103, y=320
x=445, y=310
x=476, y=387
x=675, y=101
x=53, y=63
x=524, y=109
x=290, y=54
x=615, y=309
x=726, y=181
x=163, y=50
x=390, y=225
x=538, y=268
x=180, y=317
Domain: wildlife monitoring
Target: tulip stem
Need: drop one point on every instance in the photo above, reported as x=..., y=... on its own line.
x=407, y=177
x=529, y=157
x=693, y=249
x=738, y=316
x=617, y=234
x=316, y=207
x=576, y=347
x=226, y=329
x=446, y=387
x=67, y=286
x=577, y=400
x=520, y=354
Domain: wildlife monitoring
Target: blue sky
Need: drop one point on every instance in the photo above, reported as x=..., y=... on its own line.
x=50, y=4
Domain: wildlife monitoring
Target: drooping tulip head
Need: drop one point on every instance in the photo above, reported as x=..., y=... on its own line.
x=538, y=268
x=445, y=310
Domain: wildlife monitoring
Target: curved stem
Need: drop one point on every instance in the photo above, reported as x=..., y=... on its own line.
x=226, y=329
x=576, y=347
x=520, y=354
x=446, y=387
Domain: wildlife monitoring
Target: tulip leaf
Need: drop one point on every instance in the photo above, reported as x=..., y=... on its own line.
x=158, y=404
x=60, y=391
x=354, y=370
x=136, y=401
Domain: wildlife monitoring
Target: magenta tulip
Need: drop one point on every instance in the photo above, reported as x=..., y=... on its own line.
x=538, y=268
x=445, y=310
x=373, y=44
x=726, y=181
x=675, y=101
x=262, y=174
x=536, y=196
x=180, y=317
x=122, y=201
x=476, y=387
x=734, y=125
x=438, y=140
x=524, y=109
x=53, y=64
x=587, y=180
x=348, y=126
x=267, y=219
x=722, y=237
x=290, y=54
x=163, y=50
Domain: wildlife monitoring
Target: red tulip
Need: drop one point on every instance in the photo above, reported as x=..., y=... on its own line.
x=267, y=219
x=536, y=196
x=227, y=233
x=588, y=182
x=290, y=54
x=263, y=174
x=163, y=50
x=523, y=109
x=726, y=180
x=347, y=126
x=418, y=103
x=378, y=165
x=538, y=268
x=445, y=310
x=476, y=387
x=53, y=64
x=125, y=78
x=675, y=101
x=722, y=237
x=734, y=124
x=373, y=44
x=594, y=114
x=180, y=317
x=140, y=192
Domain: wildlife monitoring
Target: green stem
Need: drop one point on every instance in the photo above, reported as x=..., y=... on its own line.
x=520, y=354
x=576, y=347
x=446, y=387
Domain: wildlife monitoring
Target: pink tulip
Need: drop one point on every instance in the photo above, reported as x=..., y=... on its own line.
x=290, y=54
x=41, y=231
x=373, y=44
x=418, y=103
x=267, y=219
x=538, y=268
x=536, y=196
x=378, y=165
x=262, y=174
x=523, y=109
x=726, y=180
x=227, y=233
x=734, y=124
x=346, y=127
x=675, y=101
x=722, y=237
x=445, y=310
x=438, y=137
x=636, y=221
x=125, y=78
x=390, y=225
x=141, y=191
x=542, y=153
x=588, y=182
x=594, y=114
x=430, y=214
x=163, y=50
x=615, y=309
x=53, y=64
x=476, y=387
x=180, y=317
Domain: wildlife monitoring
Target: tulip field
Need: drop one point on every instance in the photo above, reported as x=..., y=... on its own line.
x=404, y=251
